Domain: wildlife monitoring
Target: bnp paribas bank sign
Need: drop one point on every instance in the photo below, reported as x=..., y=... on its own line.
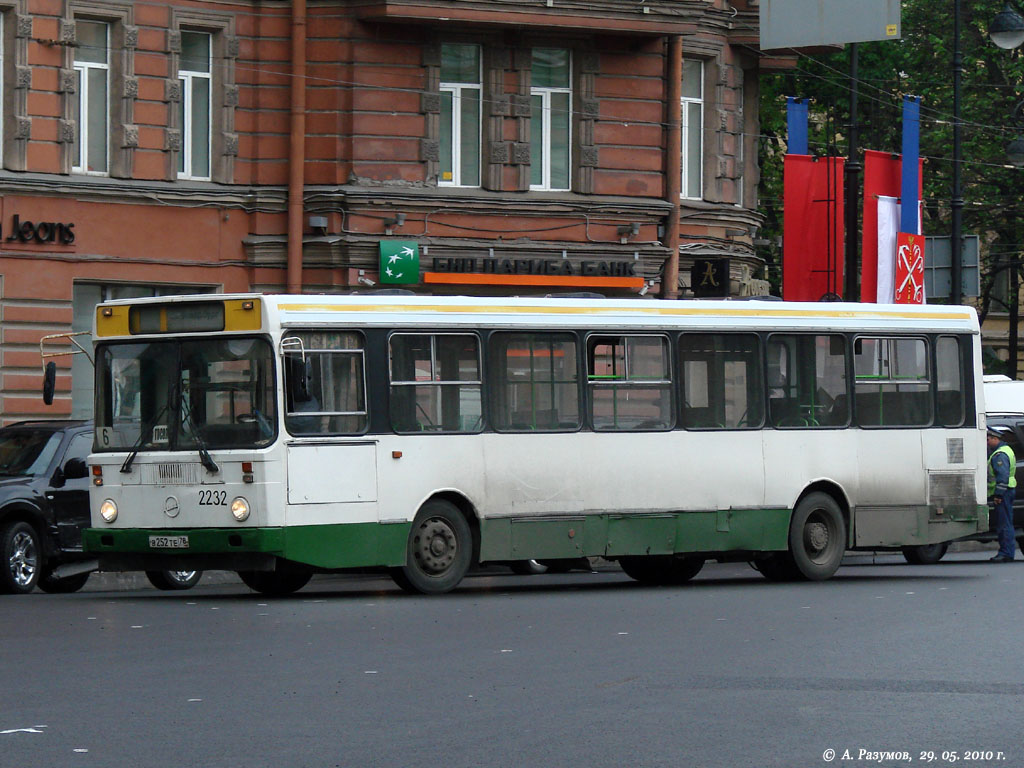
x=798, y=23
x=399, y=261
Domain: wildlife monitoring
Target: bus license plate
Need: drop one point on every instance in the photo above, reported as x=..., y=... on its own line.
x=168, y=542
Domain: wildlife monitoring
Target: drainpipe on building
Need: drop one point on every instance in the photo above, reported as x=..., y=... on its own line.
x=673, y=167
x=297, y=147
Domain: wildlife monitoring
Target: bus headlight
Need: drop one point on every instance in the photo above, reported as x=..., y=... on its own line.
x=108, y=511
x=240, y=509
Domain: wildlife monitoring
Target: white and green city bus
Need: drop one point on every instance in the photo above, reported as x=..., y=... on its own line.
x=281, y=436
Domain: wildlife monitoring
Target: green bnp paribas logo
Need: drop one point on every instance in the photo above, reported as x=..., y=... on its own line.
x=399, y=261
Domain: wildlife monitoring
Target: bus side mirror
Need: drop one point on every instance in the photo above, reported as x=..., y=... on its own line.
x=49, y=382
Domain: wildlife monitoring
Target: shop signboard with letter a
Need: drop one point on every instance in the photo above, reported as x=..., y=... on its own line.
x=399, y=261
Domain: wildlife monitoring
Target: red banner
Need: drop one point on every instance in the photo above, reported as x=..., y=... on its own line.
x=882, y=172
x=812, y=250
x=909, y=269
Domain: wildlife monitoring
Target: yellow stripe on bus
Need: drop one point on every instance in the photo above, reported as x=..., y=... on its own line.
x=653, y=310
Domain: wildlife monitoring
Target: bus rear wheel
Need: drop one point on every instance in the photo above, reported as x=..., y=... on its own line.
x=661, y=570
x=778, y=566
x=173, y=581
x=288, y=578
x=926, y=554
x=817, y=537
x=439, y=550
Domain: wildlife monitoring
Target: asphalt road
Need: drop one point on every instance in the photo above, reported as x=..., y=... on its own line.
x=571, y=670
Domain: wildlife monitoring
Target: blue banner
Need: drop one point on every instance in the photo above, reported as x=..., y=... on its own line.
x=796, y=123
x=909, y=193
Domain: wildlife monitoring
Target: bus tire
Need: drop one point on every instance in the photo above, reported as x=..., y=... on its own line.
x=926, y=554
x=661, y=570
x=64, y=586
x=21, y=558
x=778, y=566
x=439, y=551
x=286, y=579
x=817, y=537
x=173, y=581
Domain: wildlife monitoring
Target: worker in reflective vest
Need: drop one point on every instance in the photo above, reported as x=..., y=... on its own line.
x=1002, y=488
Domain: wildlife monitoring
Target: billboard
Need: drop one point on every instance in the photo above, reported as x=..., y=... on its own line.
x=801, y=23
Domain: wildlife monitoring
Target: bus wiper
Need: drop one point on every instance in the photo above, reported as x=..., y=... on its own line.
x=204, y=454
x=146, y=429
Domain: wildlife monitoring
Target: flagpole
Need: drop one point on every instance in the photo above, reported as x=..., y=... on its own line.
x=853, y=168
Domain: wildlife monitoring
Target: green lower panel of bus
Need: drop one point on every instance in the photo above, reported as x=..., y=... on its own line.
x=613, y=535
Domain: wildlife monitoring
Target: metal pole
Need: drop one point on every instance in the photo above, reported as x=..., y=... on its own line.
x=1014, y=300
x=853, y=168
x=297, y=147
x=673, y=168
x=957, y=202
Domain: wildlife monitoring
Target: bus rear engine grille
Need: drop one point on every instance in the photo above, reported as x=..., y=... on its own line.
x=951, y=488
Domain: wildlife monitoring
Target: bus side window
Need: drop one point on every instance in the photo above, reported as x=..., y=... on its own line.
x=721, y=380
x=534, y=382
x=435, y=382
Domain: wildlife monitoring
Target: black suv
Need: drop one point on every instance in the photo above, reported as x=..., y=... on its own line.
x=44, y=505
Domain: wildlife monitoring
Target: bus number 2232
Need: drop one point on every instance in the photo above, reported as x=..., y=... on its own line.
x=211, y=498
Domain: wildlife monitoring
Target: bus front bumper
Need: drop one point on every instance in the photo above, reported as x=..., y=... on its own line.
x=139, y=549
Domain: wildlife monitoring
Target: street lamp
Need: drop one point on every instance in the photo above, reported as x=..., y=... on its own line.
x=1007, y=28
x=1007, y=31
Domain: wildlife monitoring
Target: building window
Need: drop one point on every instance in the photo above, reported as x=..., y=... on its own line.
x=550, y=118
x=460, y=115
x=693, y=128
x=91, y=105
x=3, y=74
x=195, y=73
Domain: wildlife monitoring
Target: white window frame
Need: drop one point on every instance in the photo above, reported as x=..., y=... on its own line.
x=3, y=71
x=685, y=171
x=456, y=90
x=545, y=120
x=187, y=78
x=83, y=69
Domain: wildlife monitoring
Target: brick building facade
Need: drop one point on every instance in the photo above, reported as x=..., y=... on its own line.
x=531, y=148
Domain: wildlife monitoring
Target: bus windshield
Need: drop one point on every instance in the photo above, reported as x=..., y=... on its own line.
x=185, y=395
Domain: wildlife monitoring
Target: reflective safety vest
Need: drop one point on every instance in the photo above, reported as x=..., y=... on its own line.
x=1012, y=482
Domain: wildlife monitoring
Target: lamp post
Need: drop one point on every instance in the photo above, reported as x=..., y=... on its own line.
x=1006, y=30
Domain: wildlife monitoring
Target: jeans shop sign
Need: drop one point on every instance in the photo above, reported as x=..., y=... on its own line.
x=25, y=231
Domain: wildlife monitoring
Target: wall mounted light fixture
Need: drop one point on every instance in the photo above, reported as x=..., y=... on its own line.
x=397, y=221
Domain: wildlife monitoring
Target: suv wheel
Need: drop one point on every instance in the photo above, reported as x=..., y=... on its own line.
x=20, y=556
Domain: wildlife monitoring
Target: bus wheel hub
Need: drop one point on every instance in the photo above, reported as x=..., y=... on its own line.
x=435, y=546
x=816, y=536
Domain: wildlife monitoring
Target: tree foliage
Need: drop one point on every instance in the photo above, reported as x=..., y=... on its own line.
x=921, y=64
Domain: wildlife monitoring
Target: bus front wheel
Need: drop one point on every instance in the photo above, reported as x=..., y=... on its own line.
x=439, y=550
x=817, y=537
